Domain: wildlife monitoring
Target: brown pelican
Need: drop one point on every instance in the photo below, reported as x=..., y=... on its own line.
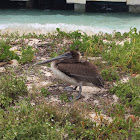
x=68, y=67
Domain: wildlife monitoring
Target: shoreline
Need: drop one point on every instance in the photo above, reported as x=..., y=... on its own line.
x=51, y=28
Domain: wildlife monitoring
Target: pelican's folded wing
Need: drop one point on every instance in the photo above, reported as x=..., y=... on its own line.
x=82, y=71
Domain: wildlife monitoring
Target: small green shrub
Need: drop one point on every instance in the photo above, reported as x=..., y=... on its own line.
x=29, y=122
x=129, y=93
x=45, y=92
x=126, y=57
x=11, y=86
x=48, y=122
x=109, y=74
x=90, y=46
x=53, y=54
x=64, y=97
x=27, y=55
x=5, y=101
x=117, y=35
x=73, y=35
x=6, y=54
x=136, y=134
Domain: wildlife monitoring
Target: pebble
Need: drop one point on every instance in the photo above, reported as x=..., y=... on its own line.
x=14, y=62
x=31, y=42
x=115, y=98
x=15, y=48
x=96, y=102
x=2, y=69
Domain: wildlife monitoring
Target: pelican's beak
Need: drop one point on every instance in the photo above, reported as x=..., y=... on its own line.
x=63, y=56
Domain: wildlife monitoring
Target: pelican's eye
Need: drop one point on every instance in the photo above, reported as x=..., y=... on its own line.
x=69, y=55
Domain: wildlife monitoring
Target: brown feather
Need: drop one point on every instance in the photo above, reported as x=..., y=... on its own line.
x=81, y=71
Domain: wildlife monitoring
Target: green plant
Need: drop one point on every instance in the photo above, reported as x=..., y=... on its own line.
x=74, y=35
x=109, y=74
x=129, y=93
x=64, y=97
x=27, y=55
x=11, y=86
x=53, y=54
x=136, y=133
x=90, y=46
x=125, y=57
x=5, y=53
x=45, y=92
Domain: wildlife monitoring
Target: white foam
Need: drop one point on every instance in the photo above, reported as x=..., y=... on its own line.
x=45, y=28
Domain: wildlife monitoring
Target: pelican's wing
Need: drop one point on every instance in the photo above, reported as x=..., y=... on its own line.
x=82, y=71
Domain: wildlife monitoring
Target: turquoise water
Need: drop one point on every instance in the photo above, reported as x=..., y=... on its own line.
x=48, y=21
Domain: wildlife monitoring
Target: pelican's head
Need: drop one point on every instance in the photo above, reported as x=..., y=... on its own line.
x=70, y=55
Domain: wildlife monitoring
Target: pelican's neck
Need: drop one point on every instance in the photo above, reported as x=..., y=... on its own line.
x=53, y=65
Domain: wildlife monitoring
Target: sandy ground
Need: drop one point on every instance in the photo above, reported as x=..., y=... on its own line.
x=42, y=77
x=43, y=31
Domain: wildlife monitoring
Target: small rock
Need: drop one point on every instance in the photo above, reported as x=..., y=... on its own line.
x=46, y=73
x=43, y=67
x=32, y=104
x=14, y=62
x=125, y=79
x=40, y=44
x=54, y=99
x=61, y=88
x=33, y=41
x=44, y=58
x=96, y=102
x=94, y=58
x=15, y=48
x=106, y=41
x=32, y=78
x=29, y=86
x=43, y=83
x=2, y=69
x=104, y=62
x=115, y=98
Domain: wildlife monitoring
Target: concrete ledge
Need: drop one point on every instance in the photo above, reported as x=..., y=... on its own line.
x=134, y=9
x=109, y=0
x=19, y=0
x=79, y=7
x=133, y=2
x=76, y=1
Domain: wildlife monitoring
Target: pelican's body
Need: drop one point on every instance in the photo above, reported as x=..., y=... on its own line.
x=59, y=74
x=77, y=73
x=71, y=69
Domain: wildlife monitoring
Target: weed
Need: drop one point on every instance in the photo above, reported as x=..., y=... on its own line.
x=45, y=92
x=53, y=54
x=45, y=121
x=126, y=56
x=11, y=86
x=109, y=74
x=5, y=53
x=27, y=55
x=74, y=35
x=64, y=97
x=129, y=93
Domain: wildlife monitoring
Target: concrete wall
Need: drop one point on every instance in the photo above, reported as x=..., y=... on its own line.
x=134, y=9
x=109, y=0
x=133, y=2
x=128, y=2
x=79, y=7
x=134, y=6
x=76, y=1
